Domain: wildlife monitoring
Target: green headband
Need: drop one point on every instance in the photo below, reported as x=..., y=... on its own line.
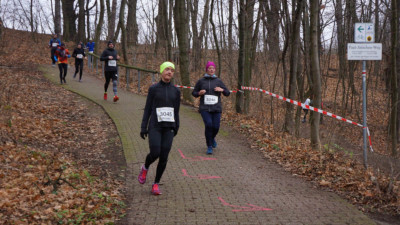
x=165, y=65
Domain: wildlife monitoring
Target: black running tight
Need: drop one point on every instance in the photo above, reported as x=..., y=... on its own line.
x=63, y=67
x=79, y=67
x=160, y=142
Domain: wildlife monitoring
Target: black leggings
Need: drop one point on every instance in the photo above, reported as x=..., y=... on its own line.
x=79, y=67
x=63, y=67
x=160, y=142
x=305, y=113
x=111, y=75
x=53, y=51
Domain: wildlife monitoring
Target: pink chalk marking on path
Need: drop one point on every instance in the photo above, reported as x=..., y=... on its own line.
x=243, y=208
x=197, y=158
x=200, y=176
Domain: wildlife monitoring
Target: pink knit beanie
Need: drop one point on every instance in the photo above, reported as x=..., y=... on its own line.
x=209, y=63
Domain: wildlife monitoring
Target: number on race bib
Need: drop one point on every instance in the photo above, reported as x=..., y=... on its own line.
x=165, y=114
x=210, y=99
x=79, y=56
x=55, y=44
x=112, y=62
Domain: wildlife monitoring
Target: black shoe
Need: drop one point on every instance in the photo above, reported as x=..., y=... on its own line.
x=65, y=81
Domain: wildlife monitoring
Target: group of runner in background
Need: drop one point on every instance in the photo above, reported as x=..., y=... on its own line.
x=59, y=54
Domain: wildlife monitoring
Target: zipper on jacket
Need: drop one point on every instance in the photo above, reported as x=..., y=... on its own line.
x=209, y=89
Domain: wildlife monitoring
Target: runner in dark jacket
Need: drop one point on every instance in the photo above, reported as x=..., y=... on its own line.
x=210, y=88
x=110, y=57
x=161, y=122
x=53, y=44
x=79, y=54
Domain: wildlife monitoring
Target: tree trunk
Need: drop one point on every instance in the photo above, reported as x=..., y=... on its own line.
x=31, y=17
x=341, y=43
x=294, y=55
x=230, y=25
x=307, y=32
x=1, y=27
x=315, y=73
x=181, y=26
x=215, y=38
x=121, y=24
x=162, y=27
x=170, y=35
x=246, y=52
x=69, y=17
x=273, y=29
x=57, y=17
x=111, y=21
x=200, y=37
x=239, y=104
x=394, y=79
x=99, y=26
x=131, y=24
x=194, y=8
x=87, y=10
x=81, y=21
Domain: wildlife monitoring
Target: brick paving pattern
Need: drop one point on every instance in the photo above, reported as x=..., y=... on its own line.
x=235, y=185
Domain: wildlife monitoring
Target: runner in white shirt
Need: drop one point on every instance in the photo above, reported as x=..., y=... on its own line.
x=307, y=102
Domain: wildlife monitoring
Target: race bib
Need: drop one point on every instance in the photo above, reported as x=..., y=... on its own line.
x=112, y=62
x=90, y=51
x=210, y=99
x=55, y=44
x=79, y=56
x=165, y=114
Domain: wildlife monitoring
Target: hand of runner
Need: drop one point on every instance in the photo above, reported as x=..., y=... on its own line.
x=202, y=92
x=218, y=89
x=143, y=134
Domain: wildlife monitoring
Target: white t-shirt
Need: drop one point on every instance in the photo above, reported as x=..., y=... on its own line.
x=307, y=102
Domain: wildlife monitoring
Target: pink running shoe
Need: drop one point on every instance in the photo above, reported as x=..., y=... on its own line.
x=142, y=175
x=155, y=190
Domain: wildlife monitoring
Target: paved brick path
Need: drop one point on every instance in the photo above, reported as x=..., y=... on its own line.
x=236, y=185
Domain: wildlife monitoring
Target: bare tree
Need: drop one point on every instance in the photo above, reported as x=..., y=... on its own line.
x=181, y=26
x=112, y=15
x=162, y=27
x=131, y=24
x=198, y=36
x=57, y=17
x=121, y=24
x=230, y=25
x=69, y=18
x=1, y=27
x=99, y=25
x=394, y=90
x=87, y=11
x=81, y=21
x=315, y=73
x=294, y=56
x=272, y=8
x=215, y=38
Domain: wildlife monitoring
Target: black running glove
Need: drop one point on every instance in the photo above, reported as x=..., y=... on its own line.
x=143, y=134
